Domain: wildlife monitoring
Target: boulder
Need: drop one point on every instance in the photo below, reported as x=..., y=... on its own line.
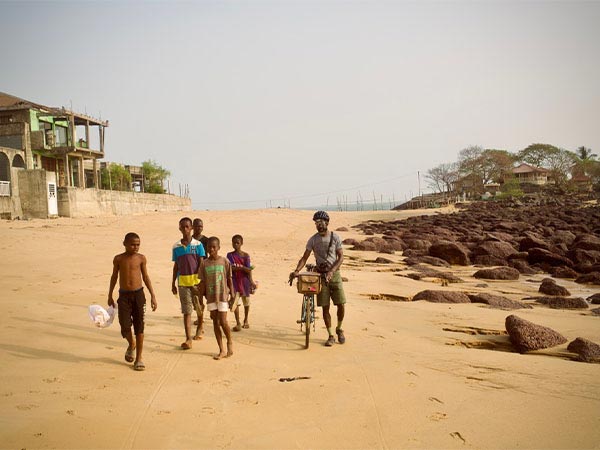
x=380, y=260
x=418, y=244
x=589, y=278
x=595, y=311
x=431, y=260
x=587, y=350
x=497, y=301
x=563, y=302
x=488, y=260
x=587, y=242
x=594, y=299
x=531, y=240
x=522, y=266
x=496, y=249
x=563, y=272
x=549, y=287
x=450, y=251
x=527, y=336
x=584, y=257
x=341, y=229
x=442, y=296
x=349, y=241
x=540, y=255
x=498, y=273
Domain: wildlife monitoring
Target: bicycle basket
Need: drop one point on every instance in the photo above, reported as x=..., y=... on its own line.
x=309, y=283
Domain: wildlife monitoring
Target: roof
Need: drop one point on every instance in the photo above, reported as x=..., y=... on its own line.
x=11, y=102
x=526, y=168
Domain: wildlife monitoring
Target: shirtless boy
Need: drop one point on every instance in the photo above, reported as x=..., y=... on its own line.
x=130, y=269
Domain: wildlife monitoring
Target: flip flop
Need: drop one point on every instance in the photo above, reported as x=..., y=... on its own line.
x=129, y=354
x=139, y=366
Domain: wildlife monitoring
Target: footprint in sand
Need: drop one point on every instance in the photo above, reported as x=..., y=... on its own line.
x=433, y=399
x=410, y=372
x=70, y=412
x=27, y=407
x=162, y=412
x=437, y=416
x=457, y=435
x=208, y=410
x=51, y=380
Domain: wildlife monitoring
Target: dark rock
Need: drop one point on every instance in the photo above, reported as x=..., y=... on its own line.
x=522, y=266
x=563, y=272
x=587, y=350
x=595, y=311
x=589, y=278
x=587, y=242
x=527, y=336
x=594, y=299
x=341, y=229
x=488, y=260
x=411, y=253
x=497, y=249
x=563, y=302
x=533, y=241
x=350, y=241
x=449, y=251
x=497, y=301
x=431, y=260
x=584, y=257
x=442, y=296
x=381, y=260
x=365, y=246
x=498, y=273
x=426, y=272
x=549, y=287
x=418, y=244
x=563, y=237
x=540, y=255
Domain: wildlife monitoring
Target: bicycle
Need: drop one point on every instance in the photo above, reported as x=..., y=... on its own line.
x=309, y=285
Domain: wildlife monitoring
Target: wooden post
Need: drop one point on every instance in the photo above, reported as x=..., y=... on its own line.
x=87, y=133
x=95, y=165
x=68, y=180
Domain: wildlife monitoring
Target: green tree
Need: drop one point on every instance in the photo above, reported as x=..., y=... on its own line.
x=511, y=189
x=585, y=160
x=537, y=155
x=115, y=177
x=154, y=177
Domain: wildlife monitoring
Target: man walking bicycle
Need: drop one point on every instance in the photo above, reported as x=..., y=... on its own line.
x=329, y=255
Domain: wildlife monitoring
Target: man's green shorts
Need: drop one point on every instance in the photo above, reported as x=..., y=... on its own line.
x=332, y=290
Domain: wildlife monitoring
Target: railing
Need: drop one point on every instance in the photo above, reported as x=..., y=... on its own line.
x=4, y=188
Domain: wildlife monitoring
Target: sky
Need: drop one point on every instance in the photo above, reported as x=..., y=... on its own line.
x=255, y=104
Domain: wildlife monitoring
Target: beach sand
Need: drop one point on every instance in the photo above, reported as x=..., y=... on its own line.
x=411, y=374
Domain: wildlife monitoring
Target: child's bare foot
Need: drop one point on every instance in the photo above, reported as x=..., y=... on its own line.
x=187, y=345
x=237, y=328
x=199, y=333
x=229, y=350
x=245, y=325
x=221, y=355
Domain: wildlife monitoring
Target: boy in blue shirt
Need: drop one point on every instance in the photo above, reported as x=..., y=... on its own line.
x=186, y=255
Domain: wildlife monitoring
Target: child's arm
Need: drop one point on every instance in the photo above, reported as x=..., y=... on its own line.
x=113, y=280
x=148, y=283
x=229, y=280
x=249, y=268
x=173, y=286
x=202, y=280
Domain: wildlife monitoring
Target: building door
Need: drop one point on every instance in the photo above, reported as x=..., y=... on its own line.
x=52, y=200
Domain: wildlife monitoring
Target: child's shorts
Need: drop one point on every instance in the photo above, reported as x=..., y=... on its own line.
x=239, y=299
x=217, y=306
x=132, y=307
x=186, y=295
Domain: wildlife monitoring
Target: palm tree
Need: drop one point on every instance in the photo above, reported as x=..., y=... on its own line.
x=584, y=153
x=585, y=159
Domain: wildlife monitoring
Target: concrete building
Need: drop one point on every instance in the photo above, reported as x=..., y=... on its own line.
x=49, y=166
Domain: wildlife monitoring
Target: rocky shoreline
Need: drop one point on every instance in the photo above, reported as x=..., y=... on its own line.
x=504, y=241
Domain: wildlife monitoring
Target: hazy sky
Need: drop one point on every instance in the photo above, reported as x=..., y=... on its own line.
x=253, y=102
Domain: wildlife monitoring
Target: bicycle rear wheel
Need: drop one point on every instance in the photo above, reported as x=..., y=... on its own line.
x=307, y=318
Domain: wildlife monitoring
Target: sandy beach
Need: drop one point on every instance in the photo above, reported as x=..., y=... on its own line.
x=411, y=374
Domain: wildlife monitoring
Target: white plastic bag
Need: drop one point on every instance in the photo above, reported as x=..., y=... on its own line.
x=101, y=317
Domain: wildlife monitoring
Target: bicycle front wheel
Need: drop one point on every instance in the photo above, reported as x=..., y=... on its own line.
x=307, y=318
